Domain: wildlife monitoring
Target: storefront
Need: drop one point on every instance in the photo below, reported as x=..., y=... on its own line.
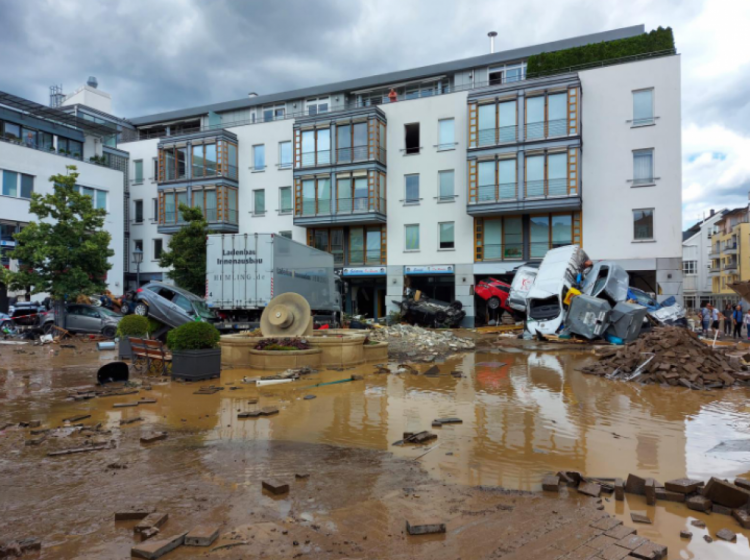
x=435, y=281
x=365, y=289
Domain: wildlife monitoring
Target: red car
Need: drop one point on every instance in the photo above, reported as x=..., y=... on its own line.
x=495, y=293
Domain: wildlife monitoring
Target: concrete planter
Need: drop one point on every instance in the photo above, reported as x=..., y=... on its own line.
x=376, y=352
x=195, y=365
x=234, y=349
x=284, y=359
x=339, y=349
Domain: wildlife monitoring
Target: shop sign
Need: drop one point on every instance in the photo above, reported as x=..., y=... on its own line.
x=365, y=271
x=429, y=269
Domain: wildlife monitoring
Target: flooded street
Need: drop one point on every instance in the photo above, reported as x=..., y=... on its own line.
x=524, y=414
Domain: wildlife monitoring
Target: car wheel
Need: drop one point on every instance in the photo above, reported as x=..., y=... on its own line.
x=109, y=332
x=493, y=303
x=457, y=305
x=441, y=317
x=125, y=308
x=141, y=309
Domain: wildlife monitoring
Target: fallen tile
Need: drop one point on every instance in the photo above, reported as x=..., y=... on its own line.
x=620, y=532
x=155, y=519
x=275, y=487
x=698, y=503
x=640, y=518
x=725, y=493
x=631, y=542
x=426, y=529
x=153, y=549
x=726, y=535
x=131, y=515
x=683, y=485
x=551, y=483
x=650, y=551
x=685, y=534
x=590, y=489
x=153, y=437
x=203, y=535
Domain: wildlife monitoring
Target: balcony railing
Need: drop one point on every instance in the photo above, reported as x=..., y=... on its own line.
x=311, y=159
x=370, y=257
x=35, y=146
x=546, y=188
x=497, y=193
x=514, y=251
x=546, y=129
x=211, y=215
x=730, y=265
x=342, y=206
x=355, y=153
x=501, y=135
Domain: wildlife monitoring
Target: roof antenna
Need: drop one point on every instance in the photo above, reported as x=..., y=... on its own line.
x=492, y=35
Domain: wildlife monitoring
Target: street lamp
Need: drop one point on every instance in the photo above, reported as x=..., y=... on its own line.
x=137, y=259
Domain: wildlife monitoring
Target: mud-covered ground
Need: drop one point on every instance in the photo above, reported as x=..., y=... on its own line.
x=525, y=412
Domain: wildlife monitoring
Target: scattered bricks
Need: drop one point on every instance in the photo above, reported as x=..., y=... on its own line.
x=683, y=485
x=147, y=401
x=619, y=490
x=669, y=496
x=275, y=487
x=606, y=523
x=635, y=485
x=743, y=483
x=422, y=437
x=601, y=542
x=640, y=518
x=149, y=533
x=575, y=476
x=130, y=420
x=650, y=551
x=715, y=508
x=302, y=476
x=309, y=397
x=742, y=517
x=155, y=519
x=650, y=492
x=699, y=503
x=252, y=401
x=620, y=532
x=613, y=552
x=551, y=483
x=125, y=405
x=565, y=479
x=39, y=431
x=449, y=420
x=77, y=418
x=708, y=538
x=153, y=437
x=590, y=489
x=726, y=535
x=427, y=529
x=631, y=542
x=131, y=515
x=436, y=424
x=725, y=493
x=269, y=411
x=685, y=534
x=152, y=549
x=203, y=535
x=698, y=523
x=251, y=414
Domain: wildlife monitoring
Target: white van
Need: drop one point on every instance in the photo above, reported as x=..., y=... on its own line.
x=557, y=274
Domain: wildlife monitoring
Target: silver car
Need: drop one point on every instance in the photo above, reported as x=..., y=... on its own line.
x=171, y=305
x=89, y=319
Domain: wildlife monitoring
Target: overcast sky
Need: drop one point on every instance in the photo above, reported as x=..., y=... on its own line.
x=157, y=55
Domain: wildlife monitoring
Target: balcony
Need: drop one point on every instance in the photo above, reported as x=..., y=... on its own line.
x=714, y=270
x=513, y=198
x=358, y=210
x=715, y=252
x=730, y=266
x=202, y=158
x=226, y=223
x=730, y=248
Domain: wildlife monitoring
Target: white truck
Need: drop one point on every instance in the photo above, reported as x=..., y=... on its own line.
x=244, y=272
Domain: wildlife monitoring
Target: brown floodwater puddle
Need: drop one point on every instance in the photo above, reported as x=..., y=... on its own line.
x=524, y=414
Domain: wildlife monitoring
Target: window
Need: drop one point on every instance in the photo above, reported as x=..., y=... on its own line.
x=175, y=162
x=10, y=183
x=412, y=188
x=46, y=141
x=210, y=205
x=503, y=238
x=643, y=224
x=259, y=157
x=29, y=137
x=505, y=74
x=689, y=267
x=12, y=131
x=205, y=161
x=535, y=117
x=643, y=107
x=411, y=132
x=316, y=147
x=539, y=232
x=446, y=236
x=158, y=247
x=285, y=155
x=555, y=167
x=356, y=246
x=446, y=185
x=315, y=106
x=138, y=211
x=557, y=174
x=100, y=201
x=557, y=108
x=138, y=171
x=412, y=237
x=259, y=202
x=351, y=143
x=446, y=134
x=535, y=176
x=324, y=196
x=643, y=167
x=372, y=247
x=273, y=113
x=156, y=169
x=287, y=234
x=232, y=206
x=27, y=185
x=155, y=207
x=285, y=200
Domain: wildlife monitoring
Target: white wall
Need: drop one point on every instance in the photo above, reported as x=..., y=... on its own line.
x=91, y=97
x=429, y=212
x=42, y=165
x=607, y=163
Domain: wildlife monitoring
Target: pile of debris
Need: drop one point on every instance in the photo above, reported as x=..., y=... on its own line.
x=413, y=344
x=672, y=356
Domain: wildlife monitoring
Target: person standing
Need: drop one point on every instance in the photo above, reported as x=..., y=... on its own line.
x=706, y=318
x=715, y=315
x=737, y=321
x=747, y=323
x=728, y=310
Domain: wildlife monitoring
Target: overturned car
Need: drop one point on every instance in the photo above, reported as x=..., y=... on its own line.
x=421, y=310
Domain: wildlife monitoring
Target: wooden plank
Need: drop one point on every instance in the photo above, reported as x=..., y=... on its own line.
x=297, y=148
x=473, y=125
x=297, y=197
x=573, y=96
x=573, y=164
x=478, y=239
x=473, y=190
x=383, y=245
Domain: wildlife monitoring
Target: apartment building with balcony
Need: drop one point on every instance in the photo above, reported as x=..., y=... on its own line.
x=437, y=177
x=697, y=247
x=36, y=142
x=729, y=254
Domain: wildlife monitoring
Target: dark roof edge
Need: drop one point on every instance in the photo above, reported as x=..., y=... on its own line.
x=397, y=76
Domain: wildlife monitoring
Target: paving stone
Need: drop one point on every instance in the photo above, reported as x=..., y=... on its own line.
x=551, y=483
x=716, y=508
x=635, y=485
x=683, y=485
x=650, y=551
x=613, y=552
x=131, y=515
x=669, y=496
x=590, y=489
x=125, y=405
x=743, y=483
x=742, y=517
x=606, y=523
x=698, y=503
x=620, y=532
x=619, y=490
x=725, y=494
x=640, y=518
x=149, y=533
x=601, y=542
x=202, y=535
x=425, y=529
x=726, y=535
x=685, y=534
x=152, y=549
x=155, y=519
x=302, y=476
x=650, y=492
x=698, y=523
x=153, y=437
x=584, y=552
x=275, y=487
x=631, y=542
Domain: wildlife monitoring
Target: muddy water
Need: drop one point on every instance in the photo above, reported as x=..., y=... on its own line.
x=524, y=414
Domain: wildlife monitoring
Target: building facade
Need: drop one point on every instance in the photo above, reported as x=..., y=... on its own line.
x=730, y=245
x=697, y=281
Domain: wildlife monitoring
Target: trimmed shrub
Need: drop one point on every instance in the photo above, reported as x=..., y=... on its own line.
x=660, y=39
x=193, y=336
x=282, y=344
x=133, y=325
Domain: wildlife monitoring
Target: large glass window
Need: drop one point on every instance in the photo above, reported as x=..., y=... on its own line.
x=11, y=131
x=158, y=248
x=232, y=204
x=446, y=134
x=175, y=163
x=506, y=172
x=199, y=200
x=486, y=181
x=446, y=186
x=643, y=167
x=562, y=230
x=643, y=107
x=170, y=214
x=10, y=183
x=513, y=240
x=138, y=165
x=359, y=142
x=372, y=255
x=643, y=224
x=138, y=204
x=231, y=170
x=540, y=235
x=360, y=194
x=493, y=239
x=285, y=200
x=557, y=174
x=337, y=246
x=308, y=197
x=101, y=200
x=324, y=146
x=412, y=188
x=181, y=162
x=535, y=117
x=182, y=198
x=486, y=125
x=446, y=235
x=27, y=185
x=557, y=108
x=506, y=114
x=259, y=202
x=535, y=176
x=308, y=147
x=344, y=195
x=29, y=137
x=356, y=246
x=320, y=239
x=211, y=210
x=211, y=160
x=324, y=196
x=259, y=157
x=344, y=144
x=285, y=155
x=412, y=237
x=46, y=141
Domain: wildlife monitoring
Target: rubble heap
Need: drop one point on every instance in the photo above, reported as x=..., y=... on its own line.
x=671, y=356
x=412, y=343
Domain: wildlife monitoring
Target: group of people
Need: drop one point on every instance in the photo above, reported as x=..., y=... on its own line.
x=733, y=319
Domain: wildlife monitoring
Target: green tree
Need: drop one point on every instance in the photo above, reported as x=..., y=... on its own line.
x=186, y=255
x=65, y=251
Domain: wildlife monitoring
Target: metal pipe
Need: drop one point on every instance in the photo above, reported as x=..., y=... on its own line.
x=492, y=35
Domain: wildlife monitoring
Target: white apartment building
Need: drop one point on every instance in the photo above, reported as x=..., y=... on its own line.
x=696, y=261
x=434, y=177
x=37, y=142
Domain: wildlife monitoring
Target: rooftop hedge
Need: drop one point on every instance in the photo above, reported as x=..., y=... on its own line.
x=660, y=39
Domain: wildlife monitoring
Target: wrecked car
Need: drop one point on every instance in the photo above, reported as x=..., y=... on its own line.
x=421, y=310
x=496, y=293
x=607, y=280
x=521, y=285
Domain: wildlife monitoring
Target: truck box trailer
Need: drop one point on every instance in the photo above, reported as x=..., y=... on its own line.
x=244, y=272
